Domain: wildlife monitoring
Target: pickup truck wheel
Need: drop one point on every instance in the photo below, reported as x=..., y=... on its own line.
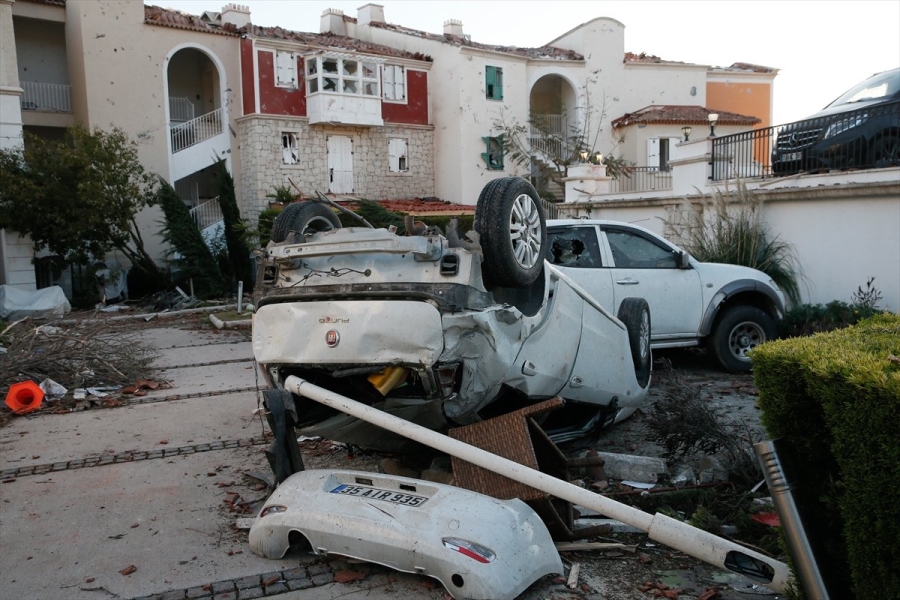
x=635, y=314
x=739, y=330
x=512, y=230
x=303, y=218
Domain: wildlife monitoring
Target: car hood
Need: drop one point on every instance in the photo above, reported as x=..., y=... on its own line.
x=715, y=275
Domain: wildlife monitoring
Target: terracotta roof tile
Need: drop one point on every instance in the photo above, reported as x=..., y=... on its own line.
x=551, y=52
x=166, y=17
x=330, y=40
x=681, y=115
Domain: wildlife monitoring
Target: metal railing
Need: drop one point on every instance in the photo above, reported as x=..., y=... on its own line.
x=551, y=210
x=547, y=135
x=49, y=97
x=642, y=179
x=206, y=214
x=866, y=138
x=196, y=130
x=180, y=109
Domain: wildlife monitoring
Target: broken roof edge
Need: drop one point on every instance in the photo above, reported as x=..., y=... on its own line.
x=320, y=41
x=176, y=19
x=577, y=27
x=680, y=114
x=539, y=52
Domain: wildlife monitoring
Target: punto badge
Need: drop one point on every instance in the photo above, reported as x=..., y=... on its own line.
x=332, y=338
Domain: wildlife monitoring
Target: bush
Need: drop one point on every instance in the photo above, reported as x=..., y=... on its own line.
x=807, y=319
x=834, y=401
x=728, y=228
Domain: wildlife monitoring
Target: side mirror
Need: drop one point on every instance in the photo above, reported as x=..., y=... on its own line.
x=681, y=259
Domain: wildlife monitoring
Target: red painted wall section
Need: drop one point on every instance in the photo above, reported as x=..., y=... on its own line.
x=415, y=111
x=276, y=100
x=248, y=80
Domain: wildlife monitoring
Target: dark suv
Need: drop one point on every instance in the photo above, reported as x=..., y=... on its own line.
x=861, y=129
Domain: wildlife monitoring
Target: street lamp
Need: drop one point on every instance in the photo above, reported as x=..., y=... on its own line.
x=599, y=158
x=713, y=117
x=686, y=130
x=584, y=155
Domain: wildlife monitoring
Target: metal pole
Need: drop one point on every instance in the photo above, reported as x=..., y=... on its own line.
x=240, y=296
x=681, y=536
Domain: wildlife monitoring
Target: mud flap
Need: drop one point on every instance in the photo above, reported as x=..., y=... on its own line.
x=284, y=453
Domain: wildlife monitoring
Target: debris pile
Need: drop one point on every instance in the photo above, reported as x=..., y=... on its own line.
x=87, y=358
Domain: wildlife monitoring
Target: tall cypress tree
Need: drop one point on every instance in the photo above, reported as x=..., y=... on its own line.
x=238, y=252
x=189, y=251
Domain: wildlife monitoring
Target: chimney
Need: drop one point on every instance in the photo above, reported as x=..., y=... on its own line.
x=332, y=21
x=453, y=27
x=370, y=13
x=236, y=14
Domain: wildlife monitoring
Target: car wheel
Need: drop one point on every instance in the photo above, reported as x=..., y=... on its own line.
x=303, y=218
x=739, y=330
x=635, y=314
x=512, y=230
x=886, y=150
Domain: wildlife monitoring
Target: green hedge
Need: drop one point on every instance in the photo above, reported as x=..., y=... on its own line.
x=834, y=400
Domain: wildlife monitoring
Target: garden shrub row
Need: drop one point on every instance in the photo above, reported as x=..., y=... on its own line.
x=834, y=400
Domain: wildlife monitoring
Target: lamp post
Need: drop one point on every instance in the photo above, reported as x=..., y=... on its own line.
x=599, y=158
x=686, y=130
x=584, y=155
x=713, y=117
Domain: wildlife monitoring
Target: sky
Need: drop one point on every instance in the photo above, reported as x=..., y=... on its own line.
x=821, y=47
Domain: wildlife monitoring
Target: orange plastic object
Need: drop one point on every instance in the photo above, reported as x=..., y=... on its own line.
x=24, y=397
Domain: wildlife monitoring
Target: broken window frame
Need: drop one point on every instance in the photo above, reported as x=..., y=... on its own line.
x=346, y=76
x=290, y=148
x=398, y=156
x=493, y=83
x=494, y=152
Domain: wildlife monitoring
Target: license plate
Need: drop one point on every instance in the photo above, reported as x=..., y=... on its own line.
x=791, y=156
x=362, y=491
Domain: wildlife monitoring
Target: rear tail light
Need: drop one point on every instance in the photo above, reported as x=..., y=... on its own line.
x=476, y=552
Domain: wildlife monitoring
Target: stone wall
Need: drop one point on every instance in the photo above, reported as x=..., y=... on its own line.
x=263, y=169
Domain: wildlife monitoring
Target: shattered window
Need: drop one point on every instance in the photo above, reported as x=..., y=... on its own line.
x=576, y=247
x=341, y=76
x=290, y=148
x=493, y=157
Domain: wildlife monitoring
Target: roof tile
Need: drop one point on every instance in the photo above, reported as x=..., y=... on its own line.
x=681, y=115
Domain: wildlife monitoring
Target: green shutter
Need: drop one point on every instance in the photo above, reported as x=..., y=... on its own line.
x=493, y=83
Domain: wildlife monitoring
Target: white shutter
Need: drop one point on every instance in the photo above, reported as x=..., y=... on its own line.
x=393, y=156
x=653, y=152
x=388, y=83
x=285, y=69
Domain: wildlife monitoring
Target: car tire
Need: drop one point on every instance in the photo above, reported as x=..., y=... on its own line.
x=303, y=218
x=512, y=231
x=635, y=314
x=738, y=330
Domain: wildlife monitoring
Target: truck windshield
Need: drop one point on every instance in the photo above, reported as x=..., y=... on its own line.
x=881, y=86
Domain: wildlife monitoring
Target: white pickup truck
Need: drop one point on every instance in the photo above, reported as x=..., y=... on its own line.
x=438, y=329
x=728, y=308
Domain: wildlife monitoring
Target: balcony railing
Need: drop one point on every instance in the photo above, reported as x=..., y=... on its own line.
x=866, y=138
x=642, y=179
x=206, y=214
x=196, y=130
x=180, y=109
x=548, y=135
x=48, y=97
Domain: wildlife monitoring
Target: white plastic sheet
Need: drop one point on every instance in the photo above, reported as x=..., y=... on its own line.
x=48, y=303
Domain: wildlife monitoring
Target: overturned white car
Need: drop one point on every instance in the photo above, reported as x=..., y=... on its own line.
x=440, y=330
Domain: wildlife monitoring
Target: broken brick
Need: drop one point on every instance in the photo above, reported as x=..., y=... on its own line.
x=128, y=570
x=347, y=576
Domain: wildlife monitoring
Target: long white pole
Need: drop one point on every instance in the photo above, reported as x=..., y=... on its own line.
x=675, y=534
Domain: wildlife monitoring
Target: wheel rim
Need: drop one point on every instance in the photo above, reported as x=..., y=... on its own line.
x=317, y=224
x=525, y=231
x=744, y=337
x=645, y=334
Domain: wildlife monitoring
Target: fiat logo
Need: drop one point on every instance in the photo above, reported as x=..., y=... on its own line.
x=332, y=338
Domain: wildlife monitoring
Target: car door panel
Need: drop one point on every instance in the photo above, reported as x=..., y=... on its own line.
x=643, y=268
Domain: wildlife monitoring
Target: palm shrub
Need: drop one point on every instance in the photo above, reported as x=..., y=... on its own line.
x=728, y=227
